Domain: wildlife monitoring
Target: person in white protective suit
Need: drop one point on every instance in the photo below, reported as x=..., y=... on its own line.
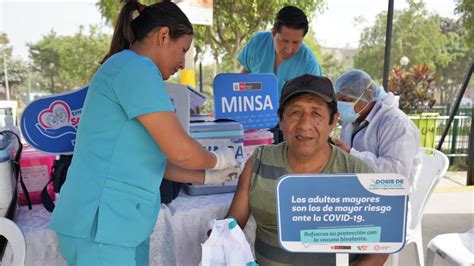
x=374, y=129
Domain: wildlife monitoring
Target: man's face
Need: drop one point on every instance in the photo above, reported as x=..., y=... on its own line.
x=305, y=124
x=287, y=42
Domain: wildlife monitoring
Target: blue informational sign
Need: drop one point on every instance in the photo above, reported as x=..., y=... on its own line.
x=49, y=124
x=251, y=99
x=363, y=213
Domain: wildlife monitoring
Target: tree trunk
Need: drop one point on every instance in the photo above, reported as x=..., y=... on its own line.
x=235, y=64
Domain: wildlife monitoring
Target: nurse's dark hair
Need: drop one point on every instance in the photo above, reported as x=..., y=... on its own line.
x=291, y=17
x=131, y=28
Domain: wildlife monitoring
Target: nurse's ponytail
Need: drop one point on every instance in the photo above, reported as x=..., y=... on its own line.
x=135, y=21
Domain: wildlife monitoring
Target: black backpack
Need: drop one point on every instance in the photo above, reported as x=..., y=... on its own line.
x=58, y=176
x=12, y=208
x=16, y=166
x=169, y=190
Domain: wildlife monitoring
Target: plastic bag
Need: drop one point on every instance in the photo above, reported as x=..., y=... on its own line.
x=226, y=245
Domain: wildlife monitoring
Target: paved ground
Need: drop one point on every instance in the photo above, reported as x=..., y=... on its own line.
x=450, y=209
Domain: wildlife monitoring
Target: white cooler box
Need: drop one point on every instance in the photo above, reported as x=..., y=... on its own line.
x=213, y=135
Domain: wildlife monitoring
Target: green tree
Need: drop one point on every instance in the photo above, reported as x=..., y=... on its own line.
x=5, y=46
x=69, y=61
x=207, y=87
x=449, y=75
x=234, y=22
x=17, y=74
x=35, y=85
x=45, y=57
x=17, y=69
x=416, y=34
x=466, y=9
x=426, y=39
x=110, y=9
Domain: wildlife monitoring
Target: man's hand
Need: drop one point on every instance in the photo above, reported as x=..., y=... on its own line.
x=341, y=144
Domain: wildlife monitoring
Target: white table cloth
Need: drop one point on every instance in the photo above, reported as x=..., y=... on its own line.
x=180, y=229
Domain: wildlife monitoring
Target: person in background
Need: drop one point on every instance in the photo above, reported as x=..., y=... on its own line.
x=374, y=129
x=308, y=114
x=127, y=136
x=282, y=50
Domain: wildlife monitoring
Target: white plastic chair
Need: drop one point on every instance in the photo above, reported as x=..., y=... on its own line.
x=15, y=238
x=456, y=249
x=434, y=166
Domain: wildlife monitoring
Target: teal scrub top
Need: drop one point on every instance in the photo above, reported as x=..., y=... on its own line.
x=258, y=56
x=117, y=167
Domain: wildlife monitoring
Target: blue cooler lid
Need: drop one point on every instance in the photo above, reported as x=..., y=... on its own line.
x=216, y=130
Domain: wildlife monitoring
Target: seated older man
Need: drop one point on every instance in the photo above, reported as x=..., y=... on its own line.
x=308, y=114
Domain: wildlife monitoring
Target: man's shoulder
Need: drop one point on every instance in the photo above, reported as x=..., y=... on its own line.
x=271, y=149
x=306, y=62
x=262, y=35
x=271, y=154
x=261, y=39
x=349, y=163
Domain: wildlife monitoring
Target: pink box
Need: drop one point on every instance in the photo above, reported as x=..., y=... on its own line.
x=36, y=170
x=255, y=138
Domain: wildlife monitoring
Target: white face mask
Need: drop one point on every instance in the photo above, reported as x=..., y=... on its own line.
x=346, y=110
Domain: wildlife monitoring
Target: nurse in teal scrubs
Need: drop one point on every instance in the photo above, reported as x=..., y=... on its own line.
x=128, y=139
x=282, y=50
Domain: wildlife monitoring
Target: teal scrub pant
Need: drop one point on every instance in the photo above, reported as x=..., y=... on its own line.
x=87, y=252
x=83, y=251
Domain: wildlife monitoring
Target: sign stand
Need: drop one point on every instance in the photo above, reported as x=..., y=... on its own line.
x=342, y=214
x=49, y=124
x=342, y=259
x=250, y=99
